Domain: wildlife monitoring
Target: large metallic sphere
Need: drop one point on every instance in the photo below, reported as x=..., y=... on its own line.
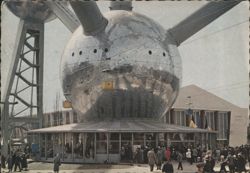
x=132, y=69
x=31, y=10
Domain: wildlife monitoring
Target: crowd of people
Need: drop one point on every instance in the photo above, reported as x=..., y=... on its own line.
x=235, y=158
x=229, y=159
x=16, y=160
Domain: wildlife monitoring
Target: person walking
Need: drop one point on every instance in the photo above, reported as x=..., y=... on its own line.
x=189, y=156
x=57, y=163
x=10, y=163
x=179, y=160
x=168, y=167
x=151, y=159
x=158, y=158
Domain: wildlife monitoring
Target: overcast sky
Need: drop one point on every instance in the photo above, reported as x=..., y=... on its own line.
x=215, y=59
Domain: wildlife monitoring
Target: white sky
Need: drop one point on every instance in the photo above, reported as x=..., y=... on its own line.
x=215, y=61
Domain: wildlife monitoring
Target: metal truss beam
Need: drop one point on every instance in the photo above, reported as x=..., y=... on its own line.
x=24, y=83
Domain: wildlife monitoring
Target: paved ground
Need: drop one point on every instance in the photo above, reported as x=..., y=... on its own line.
x=41, y=167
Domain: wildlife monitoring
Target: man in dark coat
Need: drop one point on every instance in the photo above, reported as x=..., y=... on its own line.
x=241, y=163
x=209, y=165
x=231, y=163
x=168, y=167
x=24, y=162
x=17, y=162
x=57, y=163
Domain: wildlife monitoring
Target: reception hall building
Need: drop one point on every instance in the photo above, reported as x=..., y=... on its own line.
x=198, y=118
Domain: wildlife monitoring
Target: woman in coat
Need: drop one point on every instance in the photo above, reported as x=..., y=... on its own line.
x=151, y=159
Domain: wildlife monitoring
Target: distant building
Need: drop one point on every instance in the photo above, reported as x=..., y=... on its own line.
x=198, y=118
x=213, y=112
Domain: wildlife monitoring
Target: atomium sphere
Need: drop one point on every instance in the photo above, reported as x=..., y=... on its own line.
x=130, y=70
x=31, y=10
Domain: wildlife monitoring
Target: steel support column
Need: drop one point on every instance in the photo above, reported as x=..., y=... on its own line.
x=25, y=77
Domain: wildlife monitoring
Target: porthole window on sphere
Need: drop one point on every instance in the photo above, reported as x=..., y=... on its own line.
x=80, y=52
x=73, y=54
x=106, y=49
x=150, y=52
x=164, y=54
x=95, y=50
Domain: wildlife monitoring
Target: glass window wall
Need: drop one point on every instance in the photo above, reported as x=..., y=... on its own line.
x=150, y=140
x=42, y=140
x=139, y=139
x=210, y=117
x=89, y=151
x=114, y=143
x=78, y=145
x=49, y=145
x=74, y=117
x=67, y=154
x=67, y=118
x=101, y=143
x=126, y=146
x=49, y=122
x=197, y=118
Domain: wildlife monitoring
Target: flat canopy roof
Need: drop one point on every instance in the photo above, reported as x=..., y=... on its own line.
x=121, y=126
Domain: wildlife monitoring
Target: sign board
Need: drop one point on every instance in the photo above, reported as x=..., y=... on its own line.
x=107, y=85
x=67, y=104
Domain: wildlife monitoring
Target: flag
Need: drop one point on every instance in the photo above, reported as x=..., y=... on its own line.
x=192, y=124
x=107, y=85
x=193, y=118
x=188, y=113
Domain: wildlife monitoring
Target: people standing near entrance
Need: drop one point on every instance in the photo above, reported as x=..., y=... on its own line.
x=168, y=167
x=168, y=154
x=159, y=158
x=24, y=162
x=189, y=156
x=57, y=163
x=17, y=161
x=179, y=160
x=151, y=159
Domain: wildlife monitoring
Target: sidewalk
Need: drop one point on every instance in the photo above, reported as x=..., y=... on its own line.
x=42, y=167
